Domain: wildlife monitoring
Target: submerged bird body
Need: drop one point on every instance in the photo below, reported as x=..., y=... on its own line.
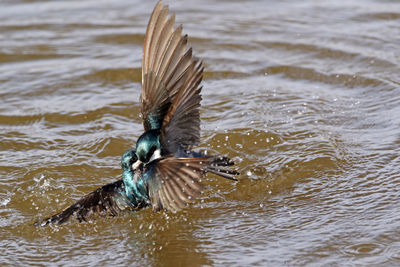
x=134, y=187
x=162, y=171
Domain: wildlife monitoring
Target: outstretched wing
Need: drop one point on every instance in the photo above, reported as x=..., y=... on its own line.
x=175, y=182
x=164, y=66
x=108, y=200
x=181, y=124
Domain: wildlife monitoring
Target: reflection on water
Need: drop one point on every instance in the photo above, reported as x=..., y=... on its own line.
x=304, y=96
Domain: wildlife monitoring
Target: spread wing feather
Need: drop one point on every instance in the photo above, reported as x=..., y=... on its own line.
x=181, y=125
x=176, y=182
x=164, y=65
x=107, y=200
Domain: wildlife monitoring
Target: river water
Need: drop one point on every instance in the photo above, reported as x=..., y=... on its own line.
x=303, y=95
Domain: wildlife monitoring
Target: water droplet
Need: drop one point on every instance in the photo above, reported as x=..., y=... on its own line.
x=4, y=202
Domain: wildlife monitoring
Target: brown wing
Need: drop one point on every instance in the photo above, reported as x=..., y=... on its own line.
x=176, y=182
x=164, y=66
x=181, y=125
x=109, y=199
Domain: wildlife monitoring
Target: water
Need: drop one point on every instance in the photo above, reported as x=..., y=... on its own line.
x=303, y=95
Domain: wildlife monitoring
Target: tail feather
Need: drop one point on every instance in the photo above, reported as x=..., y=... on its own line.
x=219, y=165
x=225, y=173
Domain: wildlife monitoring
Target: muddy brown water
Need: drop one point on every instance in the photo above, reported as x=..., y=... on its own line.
x=303, y=95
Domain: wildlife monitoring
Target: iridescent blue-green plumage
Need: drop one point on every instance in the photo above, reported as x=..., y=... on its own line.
x=168, y=183
x=111, y=199
x=147, y=144
x=135, y=189
x=162, y=171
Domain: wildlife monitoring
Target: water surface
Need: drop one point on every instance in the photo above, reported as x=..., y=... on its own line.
x=303, y=95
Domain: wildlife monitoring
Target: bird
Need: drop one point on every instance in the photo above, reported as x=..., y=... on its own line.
x=162, y=170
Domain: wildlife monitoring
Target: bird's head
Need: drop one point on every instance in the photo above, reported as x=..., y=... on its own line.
x=148, y=146
x=128, y=159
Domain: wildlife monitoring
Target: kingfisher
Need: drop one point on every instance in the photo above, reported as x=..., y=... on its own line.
x=162, y=171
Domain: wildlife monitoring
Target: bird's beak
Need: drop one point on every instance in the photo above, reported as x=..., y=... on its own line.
x=136, y=164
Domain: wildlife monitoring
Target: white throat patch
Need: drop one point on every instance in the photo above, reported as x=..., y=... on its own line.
x=156, y=155
x=136, y=165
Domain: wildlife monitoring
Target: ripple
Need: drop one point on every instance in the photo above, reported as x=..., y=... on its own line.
x=330, y=53
x=364, y=249
x=350, y=81
x=114, y=76
x=377, y=16
x=17, y=57
x=393, y=252
x=121, y=39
